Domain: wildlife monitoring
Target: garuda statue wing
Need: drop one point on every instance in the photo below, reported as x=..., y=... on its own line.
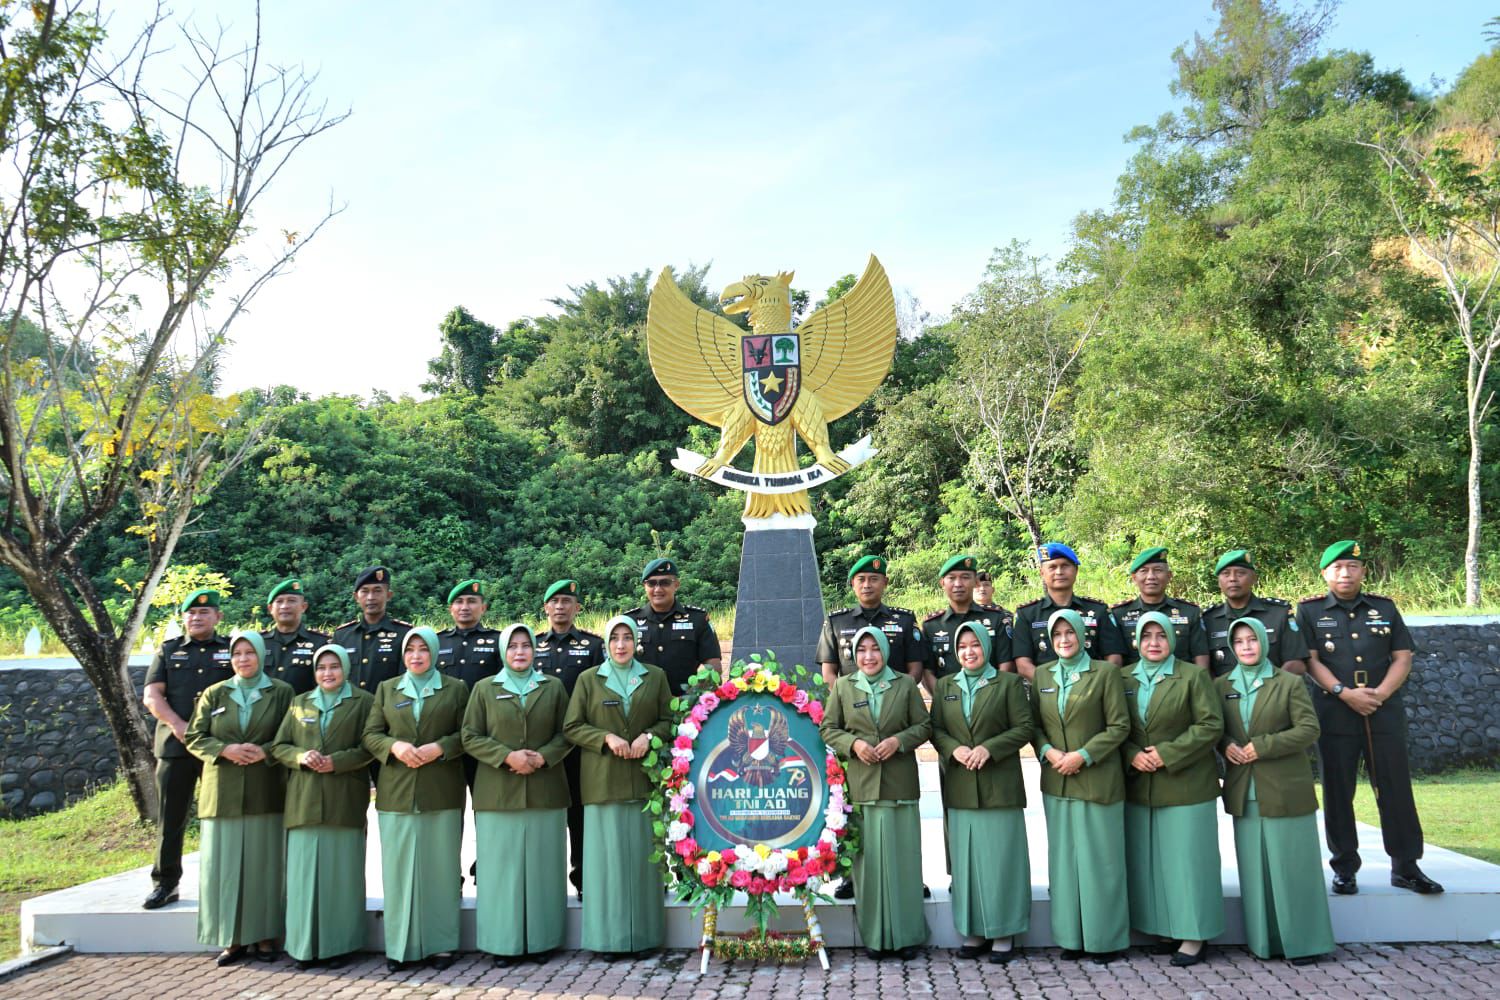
x=694, y=353
x=848, y=345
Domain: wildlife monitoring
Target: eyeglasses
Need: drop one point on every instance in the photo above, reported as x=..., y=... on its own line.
x=659, y=583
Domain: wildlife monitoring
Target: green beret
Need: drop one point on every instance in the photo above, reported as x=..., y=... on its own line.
x=658, y=567
x=962, y=562
x=203, y=597
x=1152, y=555
x=474, y=587
x=291, y=585
x=868, y=564
x=1234, y=557
x=375, y=574
x=567, y=587
x=1347, y=549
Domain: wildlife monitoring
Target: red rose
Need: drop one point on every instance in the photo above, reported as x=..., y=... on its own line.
x=686, y=819
x=711, y=879
x=739, y=879
x=728, y=691
x=757, y=885
x=687, y=846
x=802, y=853
x=787, y=692
x=681, y=766
x=728, y=857
x=796, y=876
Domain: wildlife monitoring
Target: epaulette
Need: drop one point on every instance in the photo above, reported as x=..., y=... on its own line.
x=904, y=611
x=840, y=611
x=1311, y=597
x=586, y=632
x=1272, y=600
x=1034, y=600
x=935, y=614
x=694, y=607
x=1095, y=600
x=1215, y=607
x=991, y=607
x=401, y=624
x=1184, y=600
x=1371, y=593
x=1112, y=606
x=352, y=621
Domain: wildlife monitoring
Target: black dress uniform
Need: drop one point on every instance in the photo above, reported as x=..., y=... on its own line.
x=835, y=643
x=470, y=654
x=565, y=656
x=1187, y=622
x=939, y=628
x=677, y=640
x=1282, y=631
x=374, y=650
x=187, y=667
x=1354, y=640
x=1029, y=636
x=289, y=656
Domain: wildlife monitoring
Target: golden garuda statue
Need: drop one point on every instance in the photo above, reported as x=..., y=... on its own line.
x=773, y=383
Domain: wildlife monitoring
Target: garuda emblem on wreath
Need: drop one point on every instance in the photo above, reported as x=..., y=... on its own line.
x=759, y=740
x=773, y=383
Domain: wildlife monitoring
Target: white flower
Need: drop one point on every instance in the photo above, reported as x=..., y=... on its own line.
x=828, y=836
x=705, y=866
x=774, y=864
x=682, y=754
x=688, y=729
x=677, y=831
x=687, y=790
x=834, y=821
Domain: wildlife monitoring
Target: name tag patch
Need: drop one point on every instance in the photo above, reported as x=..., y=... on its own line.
x=682, y=626
x=950, y=697
x=612, y=704
x=862, y=704
x=403, y=704
x=218, y=711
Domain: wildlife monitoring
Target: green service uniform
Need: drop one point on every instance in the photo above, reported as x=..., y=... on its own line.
x=678, y=640
x=1172, y=863
x=836, y=641
x=566, y=655
x=325, y=824
x=289, y=656
x=1273, y=802
x=519, y=818
x=888, y=870
x=1355, y=640
x=420, y=812
x=1279, y=618
x=940, y=633
x=1084, y=709
x=985, y=808
x=624, y=910
x=242, y=846
x=374, y=650
x=1187, y=625
x=187, y=667
x=1029, y=633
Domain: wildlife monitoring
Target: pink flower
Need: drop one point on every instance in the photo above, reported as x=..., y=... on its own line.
x=681, y=766
x=687, y=846
x=796, y=876
x=686, y=819
x=708, y=702
x=699, y=714
x=678, y=803
x=740, y=879
x=801, y=699
x=728, y=857
x=683, y=743
x=815, y=712
x=757, y=885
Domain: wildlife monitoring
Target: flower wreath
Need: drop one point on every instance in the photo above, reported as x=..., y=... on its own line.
x=711, y=878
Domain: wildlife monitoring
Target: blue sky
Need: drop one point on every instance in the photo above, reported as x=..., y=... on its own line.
x=500, y=152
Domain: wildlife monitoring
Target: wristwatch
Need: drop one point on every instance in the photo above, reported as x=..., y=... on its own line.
x=1337, y=689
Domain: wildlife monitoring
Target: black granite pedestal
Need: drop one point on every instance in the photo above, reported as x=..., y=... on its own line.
x=780, y=604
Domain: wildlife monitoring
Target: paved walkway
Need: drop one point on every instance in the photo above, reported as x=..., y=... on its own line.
x=1359, y=972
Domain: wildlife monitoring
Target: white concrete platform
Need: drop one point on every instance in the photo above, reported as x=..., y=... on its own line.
x=105, y=915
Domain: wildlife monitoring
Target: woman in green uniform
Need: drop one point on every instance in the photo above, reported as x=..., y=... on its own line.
x=980, y=721
x=617, y=707
x=1269, y=724
x=321, y=741
x=414, y=732
x=875, y=721
x=1171, y=796
x=1078, y=705
x=514, y=728
x=239, y=805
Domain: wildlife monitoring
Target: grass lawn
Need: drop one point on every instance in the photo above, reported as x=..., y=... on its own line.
x=92, y=838
x=1460, y=810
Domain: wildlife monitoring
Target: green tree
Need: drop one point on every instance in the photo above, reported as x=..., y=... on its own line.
x=134, y=266
x=468, y=357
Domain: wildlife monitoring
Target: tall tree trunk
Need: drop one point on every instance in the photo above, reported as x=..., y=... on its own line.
x=1476, y=511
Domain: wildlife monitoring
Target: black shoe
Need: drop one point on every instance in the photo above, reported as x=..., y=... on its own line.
x=1305, y=960
x=1105, y=957
x=926, y=892
x=874, y=954
x=229, y=956
x=504, y=961
x=1411, y=877
x=998, y=957
x=974, y=950
x=1183, y=960
x=1164, y=947
x=303, y=964
x=337, y=961
x=160, y=896
x=908, y=953
x=541, y=957
x=1345, y=885
x=263, y=953
x=845, y=890
x=442, y=960
x=1071, y=954
x=392, y=965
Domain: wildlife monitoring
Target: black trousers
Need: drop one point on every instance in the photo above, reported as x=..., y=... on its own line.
x=176, y=780
x=1399, y=826
x=572, y=767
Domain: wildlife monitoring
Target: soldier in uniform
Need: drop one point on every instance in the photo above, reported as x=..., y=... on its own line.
x=1237, y=579
x=564, y=651
x=182, y=669
x=289, y=643
x=675, y=637
x=1058, y=566
x=835, y=653
x=374, y=638
x=1150, y=574
x=984, y=591
x=940, y=629
x=1359, y=655
x=468, y=650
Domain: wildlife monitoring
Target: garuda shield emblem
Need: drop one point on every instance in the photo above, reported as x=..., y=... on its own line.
x=773, y=375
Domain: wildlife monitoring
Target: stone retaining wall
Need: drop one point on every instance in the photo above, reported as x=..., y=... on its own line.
x=55, y=745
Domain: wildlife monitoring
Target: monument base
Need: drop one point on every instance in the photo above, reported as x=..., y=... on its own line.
x=780, y=602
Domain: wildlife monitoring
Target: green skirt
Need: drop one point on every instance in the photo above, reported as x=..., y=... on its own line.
x=240, y=880
x=991, y=872
x=1173, y=871
x=523, y=881
x=325, y=891
x=888, y=877
x=423, y=887
x=1281, y=884
x=1086, y=874
x=624, y=908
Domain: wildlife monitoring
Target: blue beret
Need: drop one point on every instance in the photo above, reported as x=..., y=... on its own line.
x=1055, y=550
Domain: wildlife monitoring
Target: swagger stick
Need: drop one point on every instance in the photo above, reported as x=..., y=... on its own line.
x=1361, y=679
